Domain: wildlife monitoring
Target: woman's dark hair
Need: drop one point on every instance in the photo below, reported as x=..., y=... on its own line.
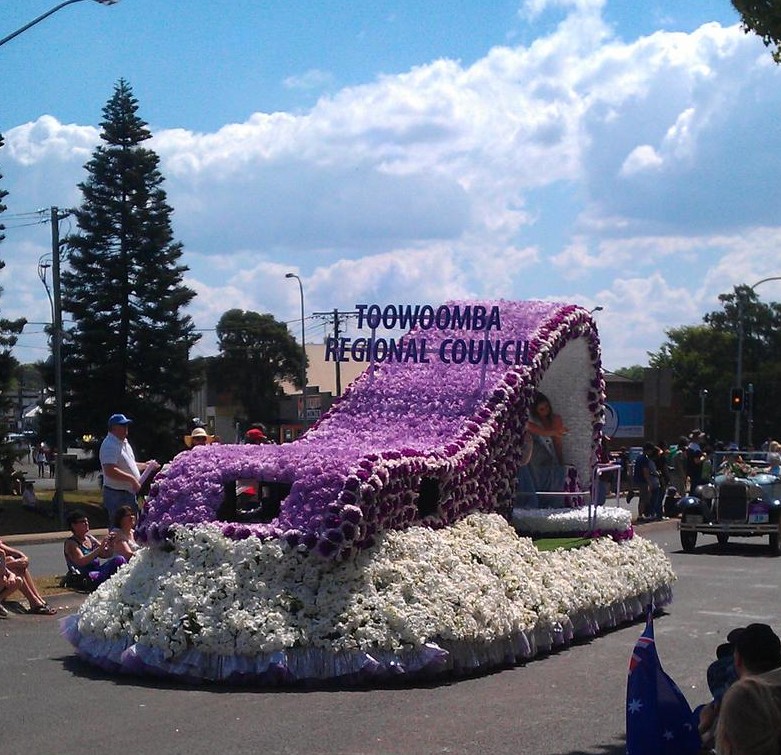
x=122, y=512
x=540, y=398
x=77, y=515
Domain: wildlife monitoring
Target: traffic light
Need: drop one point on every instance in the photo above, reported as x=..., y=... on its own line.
x=736, y=400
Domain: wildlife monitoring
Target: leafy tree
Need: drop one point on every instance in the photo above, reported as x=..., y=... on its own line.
x=129, y=348
x=705, y=356
x=9, y=330
x=256, y=353
x=763, y=17
x=29, y=376
x=701, y=358
x=635, y=372
x=761, y=362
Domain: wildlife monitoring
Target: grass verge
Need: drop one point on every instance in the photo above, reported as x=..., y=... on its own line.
x=17, y=520
x=565, y=543
x=49, y=586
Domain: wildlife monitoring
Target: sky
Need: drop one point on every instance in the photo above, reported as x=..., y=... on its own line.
x=608, y=153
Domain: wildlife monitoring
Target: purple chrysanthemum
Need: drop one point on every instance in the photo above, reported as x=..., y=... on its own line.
x=408, y=443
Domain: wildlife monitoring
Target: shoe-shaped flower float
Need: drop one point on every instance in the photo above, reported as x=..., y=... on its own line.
x=378, y=544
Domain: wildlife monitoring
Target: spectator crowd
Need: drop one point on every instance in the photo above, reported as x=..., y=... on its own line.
x=658, y=474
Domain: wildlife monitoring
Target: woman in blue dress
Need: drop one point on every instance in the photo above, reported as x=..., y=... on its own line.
x=545, y=471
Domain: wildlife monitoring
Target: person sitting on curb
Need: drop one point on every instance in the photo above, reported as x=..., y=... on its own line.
x=15, y=567
x=83, y=551
x=755, y=651
x=125, y=544
x=750, y=718
x=8, y=582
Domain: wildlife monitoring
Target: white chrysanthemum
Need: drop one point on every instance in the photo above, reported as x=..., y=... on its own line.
x=553, y=521
x=476, y=581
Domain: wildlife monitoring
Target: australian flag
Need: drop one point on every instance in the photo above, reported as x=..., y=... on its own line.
x=659, y=721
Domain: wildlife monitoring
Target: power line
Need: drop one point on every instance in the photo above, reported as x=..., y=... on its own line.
x=14, y=226
x=298, y=319
x=29, y=213
x=336, y=317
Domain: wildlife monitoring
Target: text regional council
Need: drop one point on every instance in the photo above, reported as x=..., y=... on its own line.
x=420, y=350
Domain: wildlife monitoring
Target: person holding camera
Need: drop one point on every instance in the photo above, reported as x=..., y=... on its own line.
x=86, y=554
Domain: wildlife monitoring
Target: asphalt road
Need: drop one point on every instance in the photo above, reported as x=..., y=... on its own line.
x=569, y=703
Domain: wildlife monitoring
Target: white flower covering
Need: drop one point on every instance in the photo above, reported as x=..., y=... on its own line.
x=604, y=519
x=466, y=596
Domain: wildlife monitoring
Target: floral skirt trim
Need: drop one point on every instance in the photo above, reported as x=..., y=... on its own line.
x=612, y=521
x=317, y=665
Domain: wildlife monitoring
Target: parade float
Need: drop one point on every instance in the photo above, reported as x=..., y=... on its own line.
x=381, y=543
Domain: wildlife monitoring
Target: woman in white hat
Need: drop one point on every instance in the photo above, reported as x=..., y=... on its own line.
x=198, y=437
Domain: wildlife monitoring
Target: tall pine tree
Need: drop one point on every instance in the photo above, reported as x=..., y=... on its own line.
x=128, y=350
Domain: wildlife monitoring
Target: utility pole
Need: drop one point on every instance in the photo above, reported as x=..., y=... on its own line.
x=335, y=314
x=56, y=216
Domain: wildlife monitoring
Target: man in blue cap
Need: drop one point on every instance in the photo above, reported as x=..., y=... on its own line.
x=121, y=471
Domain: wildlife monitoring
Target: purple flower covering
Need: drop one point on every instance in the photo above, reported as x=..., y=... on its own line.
x=408, y=444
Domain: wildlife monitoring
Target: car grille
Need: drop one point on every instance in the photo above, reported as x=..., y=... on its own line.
x=732, y=503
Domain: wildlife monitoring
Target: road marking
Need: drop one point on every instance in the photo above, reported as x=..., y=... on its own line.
x=736, y=614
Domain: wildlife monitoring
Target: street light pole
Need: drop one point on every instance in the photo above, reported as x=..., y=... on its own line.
x=703, y=395
x=46, y=15
x=303, y=348
x=739, y=369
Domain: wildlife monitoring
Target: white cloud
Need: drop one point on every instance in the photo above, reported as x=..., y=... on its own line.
x=311, y=79
x=580, y=167
x=640, y=159
x=48, y=139
x=533, y=9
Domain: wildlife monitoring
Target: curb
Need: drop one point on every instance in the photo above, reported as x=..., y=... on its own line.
x=42, y=538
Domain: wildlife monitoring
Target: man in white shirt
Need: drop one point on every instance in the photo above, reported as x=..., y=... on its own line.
x=121, y=471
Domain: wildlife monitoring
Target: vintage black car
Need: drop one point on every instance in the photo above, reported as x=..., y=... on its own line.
x=742, y=500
